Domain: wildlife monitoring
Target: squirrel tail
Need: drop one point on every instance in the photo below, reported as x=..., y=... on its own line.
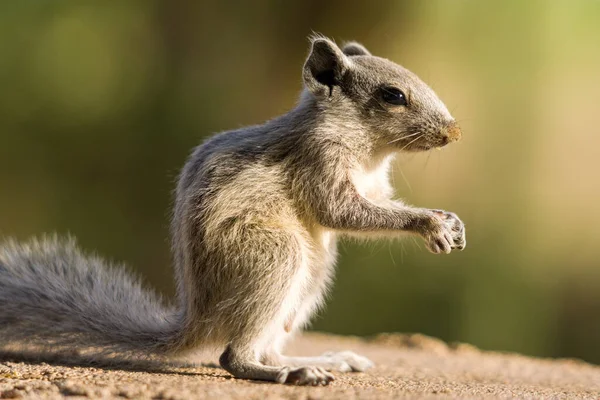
x=53, y=294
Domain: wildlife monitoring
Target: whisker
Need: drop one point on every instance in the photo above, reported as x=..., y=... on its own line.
x=405, y=180
x=403, y=137
x=391, y=255
x=412, y=141
x=402, y=250
x=427, y=160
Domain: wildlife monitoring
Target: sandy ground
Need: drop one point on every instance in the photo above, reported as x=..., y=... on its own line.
x=408, y=366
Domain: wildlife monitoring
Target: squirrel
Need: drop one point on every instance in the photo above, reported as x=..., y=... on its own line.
x=258, y=212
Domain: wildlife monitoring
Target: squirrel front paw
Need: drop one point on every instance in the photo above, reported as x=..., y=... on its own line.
x=446, y=232
x=457, y=227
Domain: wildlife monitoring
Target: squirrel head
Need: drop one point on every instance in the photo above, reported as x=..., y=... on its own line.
x=390, y=103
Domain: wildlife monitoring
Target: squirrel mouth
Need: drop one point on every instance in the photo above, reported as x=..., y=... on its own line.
x=427, y=146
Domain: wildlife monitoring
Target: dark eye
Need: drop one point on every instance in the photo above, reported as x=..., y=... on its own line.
x=393, y=96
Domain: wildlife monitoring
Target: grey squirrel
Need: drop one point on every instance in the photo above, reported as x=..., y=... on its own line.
x=257, y=216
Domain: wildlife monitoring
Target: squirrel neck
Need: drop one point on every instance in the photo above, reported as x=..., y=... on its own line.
x=327, y=123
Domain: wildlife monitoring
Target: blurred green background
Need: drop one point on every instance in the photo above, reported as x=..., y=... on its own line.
x=101, y=102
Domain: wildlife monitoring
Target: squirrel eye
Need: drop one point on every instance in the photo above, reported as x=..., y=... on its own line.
x=393, y=96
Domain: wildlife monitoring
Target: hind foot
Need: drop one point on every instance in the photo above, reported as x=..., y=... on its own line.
x=313, y=376
x=352, y=361
x=345, y=361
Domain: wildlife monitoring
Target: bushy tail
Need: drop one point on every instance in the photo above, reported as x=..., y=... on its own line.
x=49, y=290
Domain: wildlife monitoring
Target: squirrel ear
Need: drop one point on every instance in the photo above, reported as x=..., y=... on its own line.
x=324, y=67
x=355, y=49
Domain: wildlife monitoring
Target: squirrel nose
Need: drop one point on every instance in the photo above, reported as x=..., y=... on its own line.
x=452, y=132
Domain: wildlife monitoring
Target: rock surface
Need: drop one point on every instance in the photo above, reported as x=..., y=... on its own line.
x=408, y=366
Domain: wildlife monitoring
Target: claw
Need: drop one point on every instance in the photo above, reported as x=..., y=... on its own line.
x=449, y=235
x=311, y=376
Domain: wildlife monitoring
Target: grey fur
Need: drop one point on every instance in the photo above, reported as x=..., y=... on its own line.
x=257, y=215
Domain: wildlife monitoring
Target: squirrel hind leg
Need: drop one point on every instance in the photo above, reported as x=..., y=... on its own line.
x=244, y=365
x=274, y=299
x=345, y=361
x=245, y=355
x=245, y=360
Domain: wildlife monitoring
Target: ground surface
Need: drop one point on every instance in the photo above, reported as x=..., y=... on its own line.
x=407, y=367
